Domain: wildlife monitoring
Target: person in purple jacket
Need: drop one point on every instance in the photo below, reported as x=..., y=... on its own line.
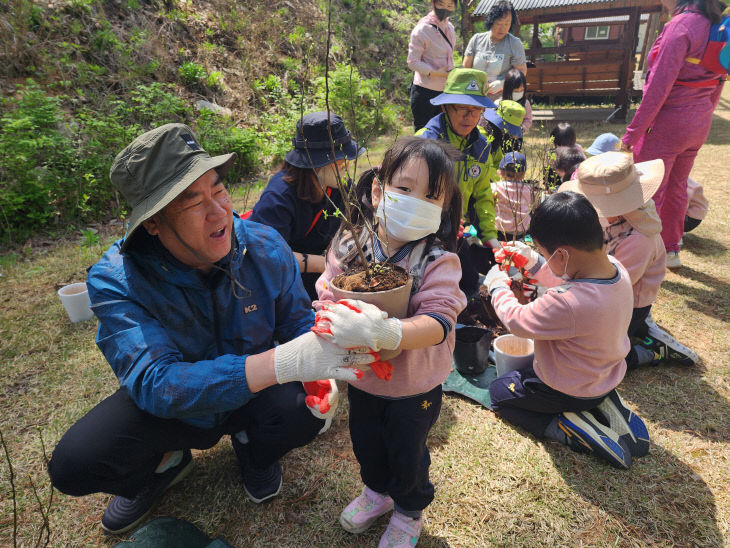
x=677, y=94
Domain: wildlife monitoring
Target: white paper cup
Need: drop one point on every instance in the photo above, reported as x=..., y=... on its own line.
x=511, y=352
x=75, y=299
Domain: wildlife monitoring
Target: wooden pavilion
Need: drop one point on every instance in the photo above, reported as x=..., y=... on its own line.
x=601, y=66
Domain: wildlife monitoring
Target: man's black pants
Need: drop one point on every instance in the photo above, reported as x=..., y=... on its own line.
x=116, y=447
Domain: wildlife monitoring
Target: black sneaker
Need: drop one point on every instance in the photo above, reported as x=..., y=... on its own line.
x=626, y=423
x=667, y=346
x=125, y=514
x=585, y=434
x=260, y=484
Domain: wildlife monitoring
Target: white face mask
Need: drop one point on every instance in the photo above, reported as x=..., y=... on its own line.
x=406, y=218
x=517, y=95
x=564, y=275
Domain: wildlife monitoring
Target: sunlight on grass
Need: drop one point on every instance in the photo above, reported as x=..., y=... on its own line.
x=495, y=485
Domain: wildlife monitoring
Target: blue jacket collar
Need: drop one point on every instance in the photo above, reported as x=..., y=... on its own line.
x=475, y=144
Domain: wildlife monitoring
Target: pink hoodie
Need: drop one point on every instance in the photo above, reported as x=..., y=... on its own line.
x=419, y=370
x=579, y=329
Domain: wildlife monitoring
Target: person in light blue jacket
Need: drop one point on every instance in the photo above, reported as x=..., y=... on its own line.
x=191, y=305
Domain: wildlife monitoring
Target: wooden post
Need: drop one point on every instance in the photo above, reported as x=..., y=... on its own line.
x=535, y=38
x=467, y=25
x=623, y=99
x=652, y=31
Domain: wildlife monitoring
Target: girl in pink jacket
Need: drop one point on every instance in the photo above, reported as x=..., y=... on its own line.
x=678, y=95
x=417, y=203
x=579, y=331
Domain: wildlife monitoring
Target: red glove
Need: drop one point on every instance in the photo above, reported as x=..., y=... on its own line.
x=322, y=397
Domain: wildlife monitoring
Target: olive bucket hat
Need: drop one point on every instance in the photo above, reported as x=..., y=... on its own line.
x=313, y=146
x=465, y=86
x=157, y=167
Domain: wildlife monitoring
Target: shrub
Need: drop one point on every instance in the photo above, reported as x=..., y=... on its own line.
x=35, y=158
x=358, y=100
x=220, y=135
x=191, y=73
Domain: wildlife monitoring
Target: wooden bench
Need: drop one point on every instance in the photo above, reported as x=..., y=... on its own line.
x=574, y=77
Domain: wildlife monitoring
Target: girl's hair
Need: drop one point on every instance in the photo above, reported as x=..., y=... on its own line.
x=499, y=10
x=567, y=159
x=566, y=218
x=514, y=79
x=441, y=158
x=712, y=9
x=305, y=181
x=563, y=135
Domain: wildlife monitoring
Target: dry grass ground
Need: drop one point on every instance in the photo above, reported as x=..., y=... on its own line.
x=495, y=485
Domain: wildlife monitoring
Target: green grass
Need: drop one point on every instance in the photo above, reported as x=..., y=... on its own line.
x=495, y=486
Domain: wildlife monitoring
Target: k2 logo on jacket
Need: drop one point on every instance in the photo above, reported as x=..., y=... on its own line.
x=475, y=171
x=250, y=308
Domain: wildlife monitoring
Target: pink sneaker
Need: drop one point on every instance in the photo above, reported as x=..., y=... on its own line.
x=362, y=512
x=402, y=532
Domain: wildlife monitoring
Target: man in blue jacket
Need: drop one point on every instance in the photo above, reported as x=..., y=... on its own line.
x=191, y=304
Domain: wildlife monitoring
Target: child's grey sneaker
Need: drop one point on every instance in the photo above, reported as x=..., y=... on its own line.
x=585, y=434
x=629, y=426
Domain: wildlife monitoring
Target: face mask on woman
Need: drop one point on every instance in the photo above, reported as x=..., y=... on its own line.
x=406, y=218
x=517, y=95
x=442, y=14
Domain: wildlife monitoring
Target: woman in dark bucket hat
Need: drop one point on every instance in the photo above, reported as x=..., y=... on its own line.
x=300, y=200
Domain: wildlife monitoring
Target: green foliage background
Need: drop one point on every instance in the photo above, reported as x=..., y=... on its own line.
x=79, y=79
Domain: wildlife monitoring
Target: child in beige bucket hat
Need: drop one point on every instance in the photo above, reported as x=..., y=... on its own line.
x=621, y=193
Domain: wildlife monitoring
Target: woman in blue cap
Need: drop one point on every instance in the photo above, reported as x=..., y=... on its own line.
x=301, y=199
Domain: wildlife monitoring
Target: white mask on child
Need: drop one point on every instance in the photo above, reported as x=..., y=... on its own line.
x=517, y=95
x=564, y=275
x=406, y=218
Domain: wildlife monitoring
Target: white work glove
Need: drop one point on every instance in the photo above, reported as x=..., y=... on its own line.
x=496, y=86
x=522, y=255
x=311, y=358
x=493, y=243
x=495, y=279
x=352, y=323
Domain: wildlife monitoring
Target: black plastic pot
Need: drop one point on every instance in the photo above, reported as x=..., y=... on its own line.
x=471, y=350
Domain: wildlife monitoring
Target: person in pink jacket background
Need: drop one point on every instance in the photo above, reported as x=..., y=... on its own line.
x=670, y=103
x=579, y=329
x=431, y=58
x=697, y=205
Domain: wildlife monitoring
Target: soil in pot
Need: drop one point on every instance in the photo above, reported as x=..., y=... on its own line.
x=382, y=278
x=480, y=312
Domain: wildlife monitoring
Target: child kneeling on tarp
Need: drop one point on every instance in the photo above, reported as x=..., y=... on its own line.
x=621, y=194
x=579, y=329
